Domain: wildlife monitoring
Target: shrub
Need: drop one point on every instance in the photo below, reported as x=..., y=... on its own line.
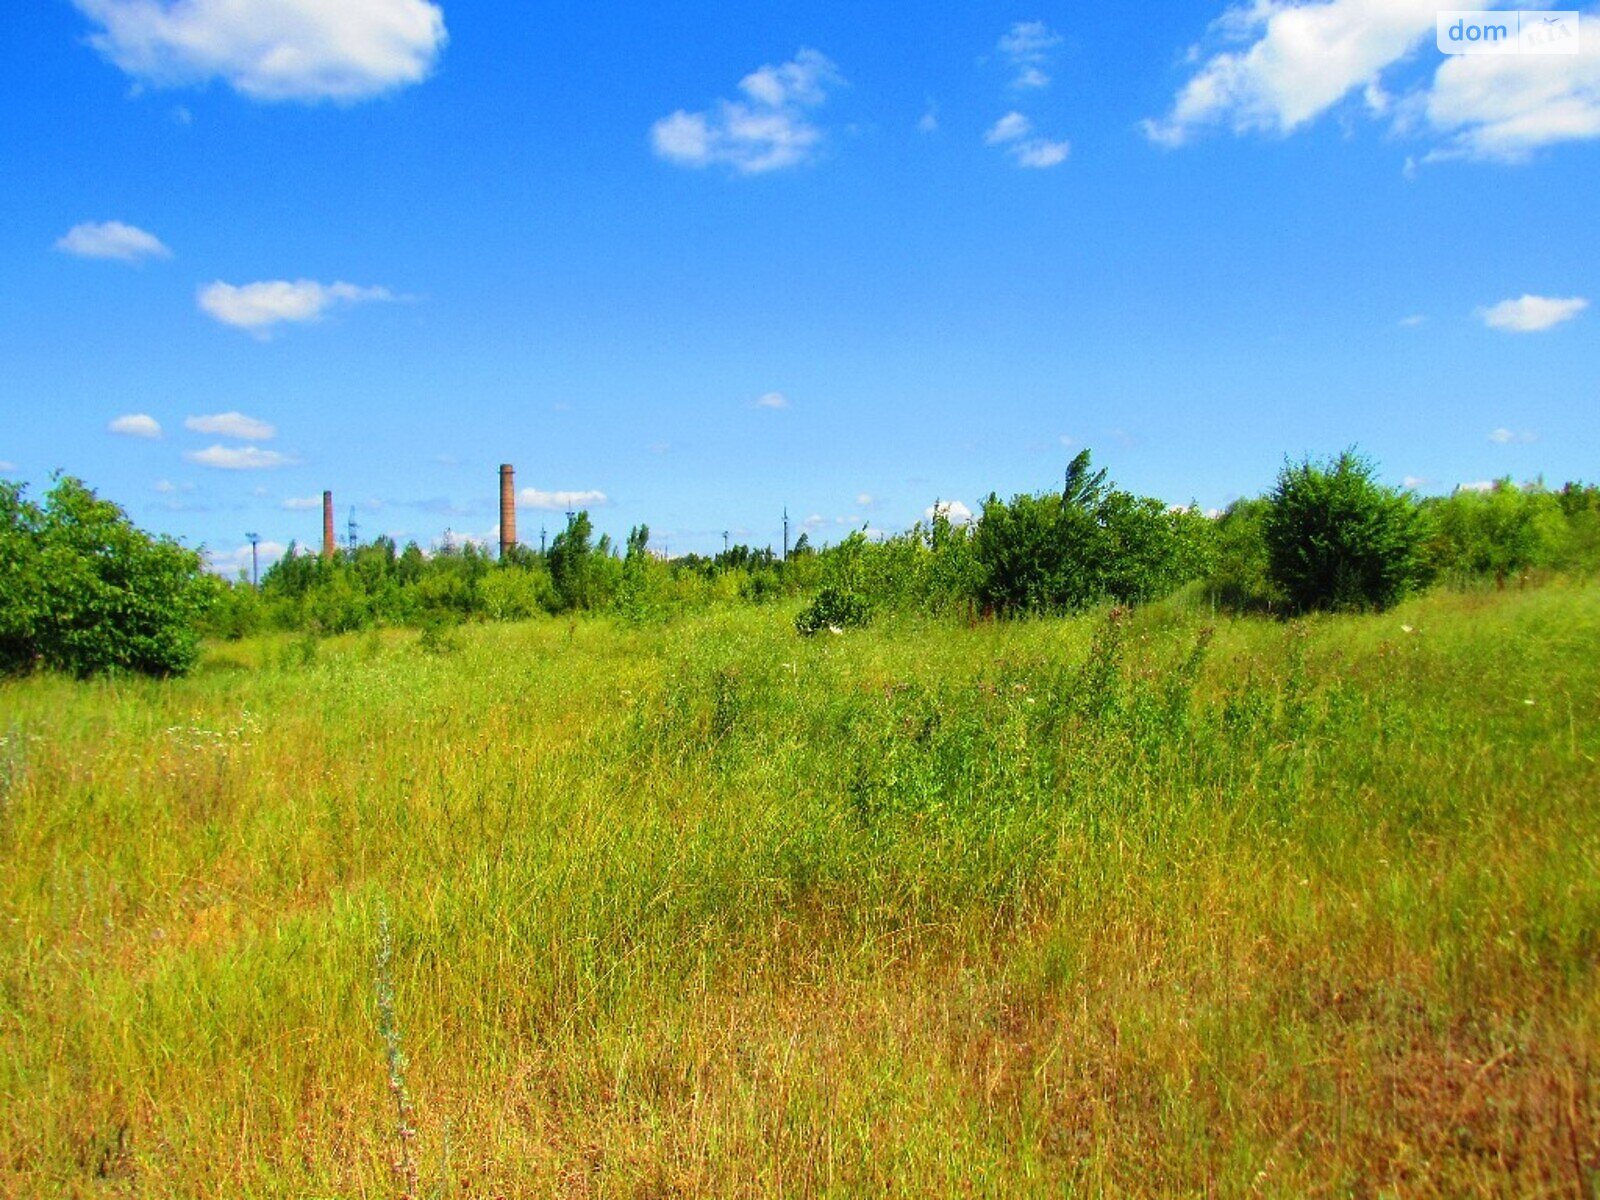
x=1337, y=539
x=833, y=608
x=1058, y=552
x=83, y=590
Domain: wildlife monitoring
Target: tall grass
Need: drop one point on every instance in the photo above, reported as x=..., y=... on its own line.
x=1134, y=903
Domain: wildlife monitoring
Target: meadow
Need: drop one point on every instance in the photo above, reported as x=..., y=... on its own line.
x=1159, y=902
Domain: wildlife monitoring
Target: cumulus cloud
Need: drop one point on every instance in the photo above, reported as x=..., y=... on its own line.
x=772, y=400
x=1413, y=321
x=240, y=458
x=1479, y=485
x=560, y=501
x=229, y=563
x=1014, y=131
x=954, y=511
x=307, y=50
x=257, y=307
x=1274, y=66
x=139, y=425
x=234, y=425
x=113, y=240
x=1507, y=437
x=7, y=467
x=864, y=500
x=1503, y=107
x=1531, y=314
x=768, y=130
x=1288, y=63
x=303, y=503
x=1027, y=44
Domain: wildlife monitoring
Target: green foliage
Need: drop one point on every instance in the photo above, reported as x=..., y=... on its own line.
x=1499, y=533
x=1090, y=542
x=1337, y=539
x=834, y=608
x=573, y=564
x=1240, y=577
x=83, y=590
x=514, y=593
x=235, y=610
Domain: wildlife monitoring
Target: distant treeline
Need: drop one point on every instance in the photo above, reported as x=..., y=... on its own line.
x=83, y=590
x=1328, y=536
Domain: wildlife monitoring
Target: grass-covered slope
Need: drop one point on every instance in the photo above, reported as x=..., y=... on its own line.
x=1119, y=904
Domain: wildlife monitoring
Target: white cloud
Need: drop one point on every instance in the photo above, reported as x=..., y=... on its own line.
x=257, y=307
x=1301, y=60
x=1013, y=132
x=6, y=467
x=309, y=50
x=1502, y=107
x=1481, y=485
x=1041, y=153
x=228, y=563
x=234, y=425
x=864, y=500
x=1277, y=65
x=1531, y=314
x=1506, y=437
x=559, y=501
x=139, y=425
x=768, y=130
x=957, y=512
x=303, y=503
x=239, y=458
x=1412, y=482
x=111, y=239
x=1008, y=129
x=929, y=123
x=1027, y=44
x=773, y=400
x=1413, y=321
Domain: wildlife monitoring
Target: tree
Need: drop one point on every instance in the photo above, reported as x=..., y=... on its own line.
x=570, y=565
x=1056, y=552
x=83, y=590
x=1337, y=539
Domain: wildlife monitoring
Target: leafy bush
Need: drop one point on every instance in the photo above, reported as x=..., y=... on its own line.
x=1498, y=533
x=1337, y=539
x=1055, y=553
x=1240, y=576
x=83, y=590
x=834, y=608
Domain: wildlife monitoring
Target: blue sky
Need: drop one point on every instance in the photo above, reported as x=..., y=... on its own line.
x=691, y=266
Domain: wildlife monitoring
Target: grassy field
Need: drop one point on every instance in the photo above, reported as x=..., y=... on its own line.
x=1149, y=904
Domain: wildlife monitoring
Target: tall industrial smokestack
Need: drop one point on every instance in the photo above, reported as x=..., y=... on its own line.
x=508, y=509
x=328, y=543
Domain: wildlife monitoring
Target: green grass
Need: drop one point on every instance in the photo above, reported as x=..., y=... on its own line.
x=1084, y=907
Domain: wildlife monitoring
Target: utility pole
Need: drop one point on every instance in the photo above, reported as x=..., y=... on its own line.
x=786, y=534
x=724, y=542
x=255, y=573
x=541, y=539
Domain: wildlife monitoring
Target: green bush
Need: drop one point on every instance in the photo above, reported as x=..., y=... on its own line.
x=1090, y=542
x=834, y=608
x=1337, y=539
x=1240, y=576
x=83, y=590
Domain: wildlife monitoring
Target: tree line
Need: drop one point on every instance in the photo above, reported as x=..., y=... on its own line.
x=83, y=590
